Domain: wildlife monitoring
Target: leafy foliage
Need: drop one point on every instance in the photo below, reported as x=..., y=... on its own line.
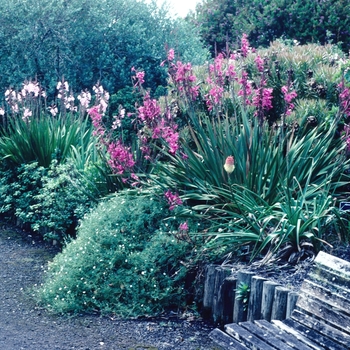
x=43, y=40
x=222, y=22
x=47, y=200
x=283, y=175
x=43, y=139
x=125, y=260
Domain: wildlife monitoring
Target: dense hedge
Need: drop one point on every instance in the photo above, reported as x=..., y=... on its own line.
x=222, y=21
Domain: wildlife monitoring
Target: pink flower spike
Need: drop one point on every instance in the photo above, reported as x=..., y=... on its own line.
x=173, y=199
x=171, y=55
x=184, y=227
x=259, y=63
x=244, y=45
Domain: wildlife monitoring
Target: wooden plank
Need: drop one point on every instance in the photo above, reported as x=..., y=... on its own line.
x=332, y=263
x=291, y=303
x=255, y=299
x=227, y=298
x=209, y=285
x=325, y=295
x=225, y=341
x=313, y=335
x=297, y=335
x=267, y=299
x=324, y=313
x=217, y=307
x=279, y=306
x=321, y=327
x=333, y=282
x=282, y=335
x=239, y=312
x=247, y=338
x=266, y=335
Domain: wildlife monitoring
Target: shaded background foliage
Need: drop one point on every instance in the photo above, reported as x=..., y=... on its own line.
x=224, y=21
x=86, y=41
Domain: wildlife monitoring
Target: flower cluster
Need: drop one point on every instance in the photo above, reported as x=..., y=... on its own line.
x=25, y=100
x=139, y=78
x=244, y=45
x=96, y=117
x=101, y=98
x=150, y=111
x=246, y=88
x=66, y=96
x=173, y=199
x=117, y=122
x=121, y=158
x=289, y=96
x=184, y=79
x=259, y=63
x=84, y=98
x=155, y=126
x=262, y=100
x=219, y=72
x=32, y=89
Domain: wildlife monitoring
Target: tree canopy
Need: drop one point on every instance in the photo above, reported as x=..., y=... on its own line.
x=223, y=22
x=86, y=41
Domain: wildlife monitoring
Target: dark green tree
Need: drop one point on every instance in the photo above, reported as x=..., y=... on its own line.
x=223, y=22
x=86, y=41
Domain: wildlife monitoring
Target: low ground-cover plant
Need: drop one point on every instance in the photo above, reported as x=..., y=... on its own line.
x=125, y=260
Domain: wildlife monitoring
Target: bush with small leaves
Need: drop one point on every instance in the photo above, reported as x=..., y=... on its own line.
x=125, y=260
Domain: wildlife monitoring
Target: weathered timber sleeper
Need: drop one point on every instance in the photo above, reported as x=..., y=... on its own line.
x=321, y=319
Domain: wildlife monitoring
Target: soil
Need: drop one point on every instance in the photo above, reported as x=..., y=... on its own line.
x=23, y=325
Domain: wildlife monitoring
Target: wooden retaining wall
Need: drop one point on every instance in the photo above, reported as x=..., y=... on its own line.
x=267, y=300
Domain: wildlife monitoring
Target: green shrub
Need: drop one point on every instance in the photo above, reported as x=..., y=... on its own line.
x=49, y=201
x=109, y=39
x=125, y=260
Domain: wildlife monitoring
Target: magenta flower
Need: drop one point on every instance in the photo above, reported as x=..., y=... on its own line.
x=184, y=79
x=173, y=199
x=150, y=110
x=96, y=118
x=244, y=45
x=171, y=55
x=121, y=159
x=263, y=97
x=231, y=73
x=344, y=98
x=289, y=96
x=183, y=227
x=214, y=97
x=139, y=77
x=246, y=88
x=259, y=63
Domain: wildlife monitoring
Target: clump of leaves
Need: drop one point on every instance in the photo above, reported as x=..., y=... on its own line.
x=47, y=200
x=242, y=293
x=125, y=260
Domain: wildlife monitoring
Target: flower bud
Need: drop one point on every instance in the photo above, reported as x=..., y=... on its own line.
x=229, y=165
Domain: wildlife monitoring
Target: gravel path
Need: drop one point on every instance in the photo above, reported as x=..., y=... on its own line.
x=23, y=325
